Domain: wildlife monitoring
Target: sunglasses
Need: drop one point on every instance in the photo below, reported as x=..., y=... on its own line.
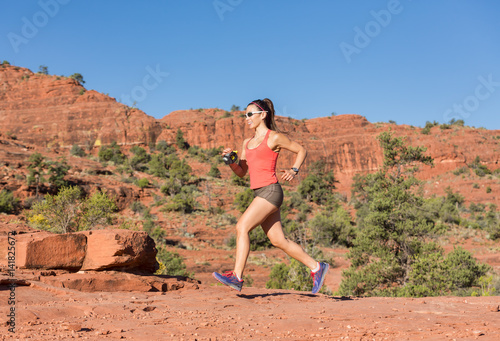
x=251, y=113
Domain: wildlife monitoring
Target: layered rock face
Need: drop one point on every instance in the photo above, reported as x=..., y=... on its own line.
x=49, y=111
x=347, y=143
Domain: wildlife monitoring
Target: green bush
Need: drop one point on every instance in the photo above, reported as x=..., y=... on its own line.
x=164, y=148
x=318, y=186
x=171, y=263
x=140, y=160
x=433, y=274
x=69, y=212
x=290, y=277
x=78, y=77
x=295, y=276
x=137, y=207
x=259, y=240
x=57, y=171
x=479, y=169
x=391, y=228
x=8, y=204
x=179, y=140
x=76, y=150
x=182, y=202
x=214, y=172
x=142, y=183
x=461, y=170
x=96, y=210
x=244, y=199
x=243, y=182
x=332, y=226
x=112, y=153
x=36, y=168
x=159, y=165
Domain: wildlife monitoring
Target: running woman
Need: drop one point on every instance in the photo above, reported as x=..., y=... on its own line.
x=258, y=157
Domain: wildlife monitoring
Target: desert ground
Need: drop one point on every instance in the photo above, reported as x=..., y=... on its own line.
x=207, y=311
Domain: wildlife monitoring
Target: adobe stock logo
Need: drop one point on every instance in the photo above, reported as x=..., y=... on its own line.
x=364, y=36
x=31, y=27
x=471, y=103
x=139, y=93
x=223, y=6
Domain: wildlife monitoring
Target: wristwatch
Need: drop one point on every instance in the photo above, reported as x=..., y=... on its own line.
x=296, y=170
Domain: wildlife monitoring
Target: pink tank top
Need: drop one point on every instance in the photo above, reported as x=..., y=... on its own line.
x=261, y=164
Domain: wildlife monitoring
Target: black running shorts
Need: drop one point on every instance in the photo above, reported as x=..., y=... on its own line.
x=272, y=193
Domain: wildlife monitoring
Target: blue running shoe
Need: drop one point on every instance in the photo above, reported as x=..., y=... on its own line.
x=229, y=279
x=319, y=277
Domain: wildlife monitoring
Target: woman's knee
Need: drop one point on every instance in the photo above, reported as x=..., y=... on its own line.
x=242, y=229
x=279, y=242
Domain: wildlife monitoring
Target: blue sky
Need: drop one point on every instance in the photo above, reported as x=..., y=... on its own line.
x=404, y=60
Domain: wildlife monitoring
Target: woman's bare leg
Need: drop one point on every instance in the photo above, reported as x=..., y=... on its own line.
x=274, y=231
x=254, y=215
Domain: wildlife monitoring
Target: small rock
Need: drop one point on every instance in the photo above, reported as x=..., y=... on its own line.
x=495, y=308
x=72, y=327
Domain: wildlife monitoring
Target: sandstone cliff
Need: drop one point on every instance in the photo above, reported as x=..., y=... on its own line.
x=57, y=111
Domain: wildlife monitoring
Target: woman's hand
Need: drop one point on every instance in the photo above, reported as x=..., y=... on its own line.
x=226, y=150
x=288, y=175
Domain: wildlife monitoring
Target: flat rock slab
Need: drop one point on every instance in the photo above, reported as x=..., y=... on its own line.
x=122, y=250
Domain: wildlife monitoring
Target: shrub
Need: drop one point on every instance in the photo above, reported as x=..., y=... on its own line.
x=459, y=123
x=96, y=210
x=140, y=159
x=435, y=275
x=159, y=165
x=295, y=276
x=57, y=171
x=182, y=201
x=36, y=168
x=57, y=213
x=332, y=226
x=244, y=199
x=8, y=204
x=76, y=150
x=78, y=77
x=259, y=240
x=164, y=148
x=461, y=170
x=171, y=263
x=68, y=212
x=391, y=226
x=179, y=140
x=318, y=186
x=214, y=172
x=236, y=180
x=137, y=207
x=142, y=183
x=111, y=153
x=479, y=169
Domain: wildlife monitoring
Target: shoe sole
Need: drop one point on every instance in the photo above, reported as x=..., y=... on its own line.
x=232, y=286
x=322, y=278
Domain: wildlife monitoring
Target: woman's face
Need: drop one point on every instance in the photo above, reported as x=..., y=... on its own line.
x=255, y=119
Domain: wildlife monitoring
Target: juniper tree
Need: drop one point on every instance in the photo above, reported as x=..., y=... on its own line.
x=391, y=254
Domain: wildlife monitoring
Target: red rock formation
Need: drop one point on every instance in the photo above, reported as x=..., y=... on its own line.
x=51, y=110
x=88, y=250
x=119, y=249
